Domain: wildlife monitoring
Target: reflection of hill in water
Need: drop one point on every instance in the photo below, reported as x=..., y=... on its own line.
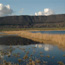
x=15, y=40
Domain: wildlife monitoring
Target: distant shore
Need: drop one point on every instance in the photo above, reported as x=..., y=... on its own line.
x=32, y=29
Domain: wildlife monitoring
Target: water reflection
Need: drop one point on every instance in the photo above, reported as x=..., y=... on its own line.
x=2, y=33
x=2, y=47
x=5, y=51
x=46, y=47
x=49, y=32
x=37, y=53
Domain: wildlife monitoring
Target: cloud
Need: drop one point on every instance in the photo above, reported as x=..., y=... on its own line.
x=36, y=14
x=46, y=12
x=5, y=10
x=39, y=13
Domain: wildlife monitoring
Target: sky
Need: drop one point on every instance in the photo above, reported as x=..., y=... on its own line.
x=31, y=7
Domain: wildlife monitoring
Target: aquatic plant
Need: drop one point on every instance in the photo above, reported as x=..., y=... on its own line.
x=25, y=57
x=42, y=55
x=41, y=52
x=27, y=52
x=45, y=62
x=48, y=56
x=30, y=59
x=38, y=61
x=8, y=63
x=33, y=62
x=60, y=63
x=19, y=60
x=52, y=57
x=63, y=55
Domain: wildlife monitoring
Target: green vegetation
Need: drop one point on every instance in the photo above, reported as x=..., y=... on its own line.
x=36, y=29
x=60, y=63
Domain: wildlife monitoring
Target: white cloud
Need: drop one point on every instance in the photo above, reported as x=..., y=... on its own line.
x=39, y=13
x=5, y=10
x=46, y=12
x=36, y=14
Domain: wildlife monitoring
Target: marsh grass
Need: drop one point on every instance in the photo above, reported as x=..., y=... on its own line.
x=45, y=38
x=58, y=39
x=60, y=63
x=31, y=29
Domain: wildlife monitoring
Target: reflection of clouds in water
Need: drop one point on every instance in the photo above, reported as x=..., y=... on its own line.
x=1, y=56
x=2, y=47
x=45, y=46
x=38, y=45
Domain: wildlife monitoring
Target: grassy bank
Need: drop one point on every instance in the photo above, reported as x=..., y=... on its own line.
x=58, y=39
x=35, y=29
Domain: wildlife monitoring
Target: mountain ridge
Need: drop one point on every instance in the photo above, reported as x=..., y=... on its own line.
x=26, y=21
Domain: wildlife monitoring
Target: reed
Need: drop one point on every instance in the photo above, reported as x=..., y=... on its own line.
x=58, y=38
x=43, y=38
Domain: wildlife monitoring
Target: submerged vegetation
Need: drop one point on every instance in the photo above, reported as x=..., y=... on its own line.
x=26, y=59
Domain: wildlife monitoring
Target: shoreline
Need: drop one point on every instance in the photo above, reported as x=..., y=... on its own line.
x=32, y=29
x=53, y=39
x=28, y=34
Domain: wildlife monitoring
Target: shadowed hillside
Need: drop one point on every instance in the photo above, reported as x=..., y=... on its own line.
x=32, y=21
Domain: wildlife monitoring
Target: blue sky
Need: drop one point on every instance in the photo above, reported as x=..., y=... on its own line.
x=29, y=7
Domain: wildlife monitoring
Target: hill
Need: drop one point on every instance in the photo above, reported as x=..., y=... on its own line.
x=25, y=21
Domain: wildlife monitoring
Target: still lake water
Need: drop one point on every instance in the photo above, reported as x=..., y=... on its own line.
x=50, y=32
x=36, y=51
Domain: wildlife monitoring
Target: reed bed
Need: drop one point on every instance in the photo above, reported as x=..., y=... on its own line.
x=58, y=38
x=39, y=37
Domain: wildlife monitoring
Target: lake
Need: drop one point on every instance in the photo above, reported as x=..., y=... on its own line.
x=46, y=53
x=24, y=51
x=2, y=33
x=49, y=32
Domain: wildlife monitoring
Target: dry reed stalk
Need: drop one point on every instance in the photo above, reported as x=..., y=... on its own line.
x=39, y=37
